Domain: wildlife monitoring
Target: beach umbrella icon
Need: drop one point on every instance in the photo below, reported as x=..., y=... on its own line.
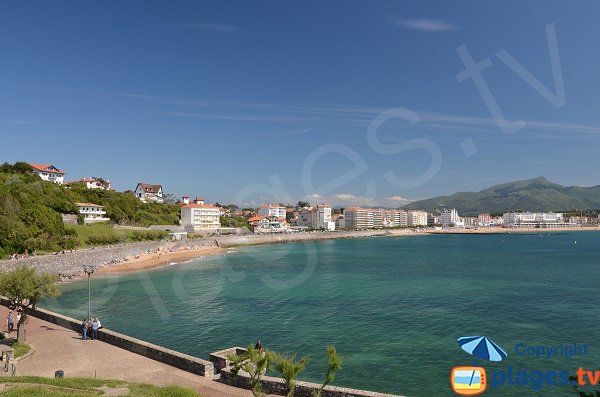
x=482, y=347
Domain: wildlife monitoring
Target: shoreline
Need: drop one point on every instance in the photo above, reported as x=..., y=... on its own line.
x=160, y=259
x=133, y=257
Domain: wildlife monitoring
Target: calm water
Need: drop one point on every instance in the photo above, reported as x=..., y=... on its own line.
x=392, y=306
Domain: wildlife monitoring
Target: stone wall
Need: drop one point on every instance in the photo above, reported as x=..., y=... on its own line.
x=167, y=356
x=277, y=386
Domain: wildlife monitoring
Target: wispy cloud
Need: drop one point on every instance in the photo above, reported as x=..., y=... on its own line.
x=425, y=25
x=212, y=27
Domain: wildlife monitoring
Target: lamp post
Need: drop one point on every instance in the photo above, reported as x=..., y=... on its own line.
x=89, y=270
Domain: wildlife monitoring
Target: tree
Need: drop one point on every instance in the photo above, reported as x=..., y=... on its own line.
x=24, y=287
x=289, y=369
x=169, y=198
x=334, y=364
x=302, y=204
x=255, y=363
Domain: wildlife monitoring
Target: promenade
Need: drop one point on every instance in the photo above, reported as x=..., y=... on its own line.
x=58, y=348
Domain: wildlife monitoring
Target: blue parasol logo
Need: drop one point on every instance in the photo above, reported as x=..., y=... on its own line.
x=482, y=347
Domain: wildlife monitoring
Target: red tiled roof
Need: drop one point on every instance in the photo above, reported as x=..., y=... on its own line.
x=43, y=167
x=199, y=199
x=200, y=206
x=256, y=218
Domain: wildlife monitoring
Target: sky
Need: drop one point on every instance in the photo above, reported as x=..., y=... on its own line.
x=345, y=102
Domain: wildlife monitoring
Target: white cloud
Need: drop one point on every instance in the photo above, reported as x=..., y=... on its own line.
x=425, y=25
x=398, y=198
x=212, y=27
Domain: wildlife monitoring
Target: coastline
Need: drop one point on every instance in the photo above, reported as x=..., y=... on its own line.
x=151, y=255
x=160, y=259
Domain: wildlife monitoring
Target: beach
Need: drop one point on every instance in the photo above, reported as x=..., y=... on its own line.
x=159, y=259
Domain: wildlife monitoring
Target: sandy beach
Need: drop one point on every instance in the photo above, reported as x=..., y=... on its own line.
x=160, y=259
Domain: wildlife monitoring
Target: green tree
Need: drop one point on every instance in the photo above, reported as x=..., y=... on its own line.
x=255, y=363
x=334, y=364
x=289, y=369
x=24, y=287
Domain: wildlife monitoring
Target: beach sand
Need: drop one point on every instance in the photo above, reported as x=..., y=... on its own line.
x=160, y=259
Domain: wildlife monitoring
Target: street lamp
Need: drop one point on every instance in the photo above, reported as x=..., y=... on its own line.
x=89, y=270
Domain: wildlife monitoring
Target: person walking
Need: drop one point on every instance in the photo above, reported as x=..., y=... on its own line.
x=84, y=326
x=95, y=328
x=10, y=322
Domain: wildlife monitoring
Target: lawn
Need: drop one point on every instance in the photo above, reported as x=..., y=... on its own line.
x=84, y=387
x=21, y=349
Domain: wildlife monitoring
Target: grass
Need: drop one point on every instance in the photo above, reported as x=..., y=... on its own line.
x=21, y=349
x=85, y=387
x=85, y=231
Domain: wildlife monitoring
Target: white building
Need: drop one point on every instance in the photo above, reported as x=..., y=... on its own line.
x=48, y=172
x=149, y=193
x=395, y=218
x=272, y=224
x=484, y=219
x=93, y=183
x=536, y=220
x=92, y=213
x=449, y=217
x=200, y=216
x=275, y=210
x=318, y=217
x=417, y=218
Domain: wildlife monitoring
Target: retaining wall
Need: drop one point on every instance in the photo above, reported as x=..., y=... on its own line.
x=273, y=385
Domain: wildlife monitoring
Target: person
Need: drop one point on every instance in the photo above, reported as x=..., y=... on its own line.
x=95, y=328
x=99, y=324
x=18, y=318
x=10, y=322
x=258, y=346
x=84, y=326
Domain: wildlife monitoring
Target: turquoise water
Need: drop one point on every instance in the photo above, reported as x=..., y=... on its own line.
x=392, y=306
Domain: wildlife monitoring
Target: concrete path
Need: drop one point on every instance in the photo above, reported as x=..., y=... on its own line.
x=58, y=348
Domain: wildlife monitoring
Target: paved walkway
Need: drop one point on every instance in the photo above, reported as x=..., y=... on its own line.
x=58, y=348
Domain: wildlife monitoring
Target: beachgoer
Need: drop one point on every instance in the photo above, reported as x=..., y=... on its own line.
x=99, y=324
x=84, y=326
x=258, y=346
x=18, y=318
x=95, y=328
x=10, y=322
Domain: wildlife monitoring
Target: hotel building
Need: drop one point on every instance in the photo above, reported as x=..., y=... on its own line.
x=536, y=220
x=275, y=210
x=318, y=217
x=92, y=213
x=200, y=216
x=417, y=218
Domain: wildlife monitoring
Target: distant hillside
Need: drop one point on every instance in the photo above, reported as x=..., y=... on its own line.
x=537, y=194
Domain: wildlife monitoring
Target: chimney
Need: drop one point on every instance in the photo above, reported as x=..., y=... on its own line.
x=186, y=200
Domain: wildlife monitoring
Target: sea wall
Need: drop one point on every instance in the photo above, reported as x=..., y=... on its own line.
x=167, y=356
x=277, y=386
x=71, y=263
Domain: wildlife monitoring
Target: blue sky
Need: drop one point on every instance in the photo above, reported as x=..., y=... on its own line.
x=247, y=102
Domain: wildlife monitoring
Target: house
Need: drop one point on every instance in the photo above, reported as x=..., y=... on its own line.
x=200, y=216
x=48, y=172
x=147, y=192
x=92, y=213
x=270, y=223
x=272, y=210
x=318, y=217
x=93, y=183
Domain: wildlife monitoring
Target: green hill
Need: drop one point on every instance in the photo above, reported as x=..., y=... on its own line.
x=30, y=211
x=538, y=194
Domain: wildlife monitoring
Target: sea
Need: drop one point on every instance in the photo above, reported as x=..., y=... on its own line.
x=394, y=308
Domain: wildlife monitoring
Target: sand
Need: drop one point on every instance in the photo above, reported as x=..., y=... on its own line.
x=160, y=259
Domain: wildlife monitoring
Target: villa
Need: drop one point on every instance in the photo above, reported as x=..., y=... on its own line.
x=92, y=213
x=48, y=172
x=271, y=223
x=148, y=193
x=93, y=183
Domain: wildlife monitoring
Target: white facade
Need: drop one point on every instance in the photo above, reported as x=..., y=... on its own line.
x=357, y=218
x=395, y=218
x=417, y=218
x=340, y=222
x=449, y=217
x=318, y=217
x=535, y=220
x=272, y=210
x=48, y=172
x=149, y=193
x=92, y=213
x=201, y=216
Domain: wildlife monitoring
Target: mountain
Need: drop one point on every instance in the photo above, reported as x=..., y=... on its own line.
x=538, y=194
